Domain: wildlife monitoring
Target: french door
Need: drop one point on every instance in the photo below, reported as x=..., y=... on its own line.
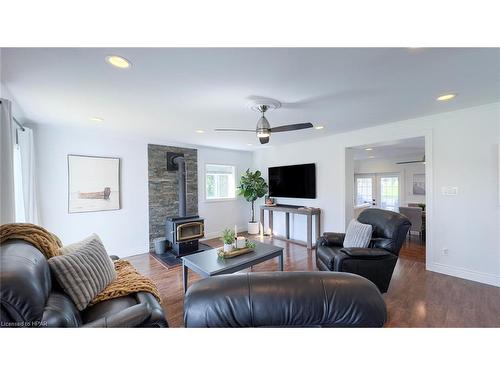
x=382, y=190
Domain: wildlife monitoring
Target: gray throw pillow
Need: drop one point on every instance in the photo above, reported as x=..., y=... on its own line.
x=71, y=248
x=357, y=234
x=85, y=271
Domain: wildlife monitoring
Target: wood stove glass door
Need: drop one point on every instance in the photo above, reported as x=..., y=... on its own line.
x=189, y=231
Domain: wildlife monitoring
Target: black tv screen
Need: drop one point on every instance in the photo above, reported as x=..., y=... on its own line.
x=293, y=181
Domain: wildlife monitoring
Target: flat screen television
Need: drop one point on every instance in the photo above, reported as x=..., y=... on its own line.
x=293, y=181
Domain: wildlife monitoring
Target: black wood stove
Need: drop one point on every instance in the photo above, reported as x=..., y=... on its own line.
x=182, y=232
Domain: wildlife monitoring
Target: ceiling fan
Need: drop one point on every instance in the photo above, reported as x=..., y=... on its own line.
x=412, y=161
x=263, y=128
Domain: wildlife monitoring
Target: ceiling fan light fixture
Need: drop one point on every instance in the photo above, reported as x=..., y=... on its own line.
x=263, y=133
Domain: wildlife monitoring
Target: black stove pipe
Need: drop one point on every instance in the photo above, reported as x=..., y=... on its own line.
x=181, y=173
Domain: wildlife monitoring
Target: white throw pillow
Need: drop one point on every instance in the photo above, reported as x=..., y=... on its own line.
x=358, y=234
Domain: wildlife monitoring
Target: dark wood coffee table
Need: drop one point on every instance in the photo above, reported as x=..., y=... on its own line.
x=208, y=263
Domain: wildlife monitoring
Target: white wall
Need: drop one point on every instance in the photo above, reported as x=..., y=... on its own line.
x=405, y=171
x=460, y=151
x=222, y=214
x=124, y=232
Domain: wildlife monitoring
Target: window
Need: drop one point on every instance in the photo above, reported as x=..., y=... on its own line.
x=389, y=192
x=364, y=190
x=219, y=182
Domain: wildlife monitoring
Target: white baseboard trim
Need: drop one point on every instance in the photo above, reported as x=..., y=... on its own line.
x=463, y=273
x=210, y=235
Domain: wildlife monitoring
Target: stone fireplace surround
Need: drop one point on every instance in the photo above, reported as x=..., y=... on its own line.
x=163, y=187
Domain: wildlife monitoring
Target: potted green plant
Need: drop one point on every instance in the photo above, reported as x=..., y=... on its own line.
x=252, y=187
x=228, y=239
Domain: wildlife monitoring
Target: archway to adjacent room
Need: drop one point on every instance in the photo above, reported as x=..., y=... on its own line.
x=393, y=175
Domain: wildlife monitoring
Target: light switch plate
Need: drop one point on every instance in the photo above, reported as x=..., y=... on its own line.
x=449, y=190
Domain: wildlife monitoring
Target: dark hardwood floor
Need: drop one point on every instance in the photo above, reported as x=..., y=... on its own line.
x=416, y=297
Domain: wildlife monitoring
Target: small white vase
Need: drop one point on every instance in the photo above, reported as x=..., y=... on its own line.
x=228, y=247
x=253, y=228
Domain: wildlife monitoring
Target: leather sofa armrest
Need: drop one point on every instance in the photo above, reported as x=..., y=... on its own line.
x=331, y=239
x=158, y=316
x=132, y=316
x=366, y=253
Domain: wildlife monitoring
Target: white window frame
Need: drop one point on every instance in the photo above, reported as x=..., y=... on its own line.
x=211, y=200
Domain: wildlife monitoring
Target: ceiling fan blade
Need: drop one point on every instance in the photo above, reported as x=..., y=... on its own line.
x=287, y=128
x=412, y=161
x=234, y=130
x=263, y=140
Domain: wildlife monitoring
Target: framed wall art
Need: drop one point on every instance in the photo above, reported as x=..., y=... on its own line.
x=419, y=184
x=93, y=183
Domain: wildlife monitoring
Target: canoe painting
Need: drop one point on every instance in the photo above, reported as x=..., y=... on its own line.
x=96, y=195
x=93, y=183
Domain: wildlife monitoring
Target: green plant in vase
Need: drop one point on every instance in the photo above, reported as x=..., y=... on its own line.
x=252, y=187
x=228, y=239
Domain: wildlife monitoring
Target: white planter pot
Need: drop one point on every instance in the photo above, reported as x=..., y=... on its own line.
x=253, y=228
x=228, y=247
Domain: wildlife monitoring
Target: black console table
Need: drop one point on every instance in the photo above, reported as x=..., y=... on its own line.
x=288, y=209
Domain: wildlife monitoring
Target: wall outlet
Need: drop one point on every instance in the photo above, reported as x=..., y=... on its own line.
x=446, y=251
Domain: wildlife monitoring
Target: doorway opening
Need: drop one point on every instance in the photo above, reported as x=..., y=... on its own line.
x=391, y=176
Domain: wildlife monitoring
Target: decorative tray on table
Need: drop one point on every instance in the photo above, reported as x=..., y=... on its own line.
x=250, y=246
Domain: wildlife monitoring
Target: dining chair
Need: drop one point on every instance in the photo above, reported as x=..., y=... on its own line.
x=414, y=214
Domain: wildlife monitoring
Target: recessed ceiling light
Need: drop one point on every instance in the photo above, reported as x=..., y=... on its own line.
x=249, y=144
x=96, y=119
x=368, y=149
x=371, y=157
x=201, y=131
x=445, y=97
x=319, y=127
x=118, y=61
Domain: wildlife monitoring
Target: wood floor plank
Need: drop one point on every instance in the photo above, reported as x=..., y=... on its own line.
x=416, y=297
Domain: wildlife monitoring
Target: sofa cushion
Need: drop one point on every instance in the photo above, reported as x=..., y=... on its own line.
x=108, y=308
x=84, y=272
x=60, y=311
x=357, y=234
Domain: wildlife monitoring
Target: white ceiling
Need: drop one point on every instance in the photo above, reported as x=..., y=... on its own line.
x=170, y=92
x=400, y=150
